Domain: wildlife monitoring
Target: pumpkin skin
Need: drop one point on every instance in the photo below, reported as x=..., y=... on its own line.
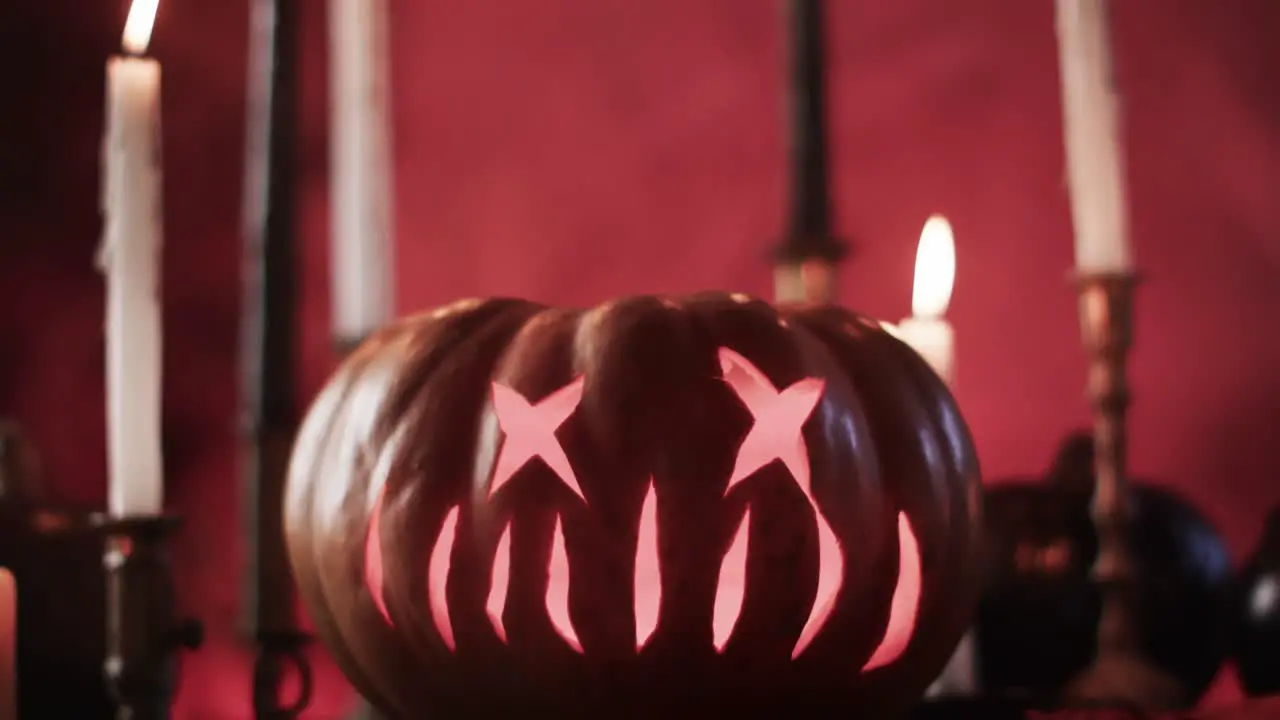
x=395, y=475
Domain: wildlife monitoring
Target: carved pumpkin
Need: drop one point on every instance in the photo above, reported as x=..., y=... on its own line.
x=648, y=508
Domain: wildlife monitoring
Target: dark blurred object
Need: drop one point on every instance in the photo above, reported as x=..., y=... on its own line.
x=995, y=709
x=1037, y=625
x=1256, y=629
x=365, y=711
x=969, y=709
x=20, y=474
x=55, y=557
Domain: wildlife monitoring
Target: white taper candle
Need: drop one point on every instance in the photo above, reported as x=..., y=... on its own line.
x=363, y=292
x=1091, y=128
x=130, y=257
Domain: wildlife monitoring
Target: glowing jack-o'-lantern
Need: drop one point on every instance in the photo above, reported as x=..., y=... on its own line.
x=655, y=507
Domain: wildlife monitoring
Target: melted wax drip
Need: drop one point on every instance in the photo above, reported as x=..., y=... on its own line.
x=648, y=579
x=776, y=435
x=530, y=431
x=906, y=600
x=438, y=577
x=731, y=587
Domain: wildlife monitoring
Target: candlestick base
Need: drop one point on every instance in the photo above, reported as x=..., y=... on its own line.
x=144, y=635
x=1120, y=673
x=278, y=651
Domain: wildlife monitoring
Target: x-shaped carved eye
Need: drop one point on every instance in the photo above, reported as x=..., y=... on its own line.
x=530, y=431
x=779, y=417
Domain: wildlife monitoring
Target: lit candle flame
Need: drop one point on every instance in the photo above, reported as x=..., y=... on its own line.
x=935, y=269
x=137, y=28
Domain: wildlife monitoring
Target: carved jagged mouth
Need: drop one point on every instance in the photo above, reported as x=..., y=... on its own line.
x=529, y=432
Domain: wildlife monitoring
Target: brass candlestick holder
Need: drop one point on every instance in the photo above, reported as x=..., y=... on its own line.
x=1120, y=673
x=144, y=633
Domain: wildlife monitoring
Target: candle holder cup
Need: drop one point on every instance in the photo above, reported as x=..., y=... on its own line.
x=1120, y=674
x=144, y=633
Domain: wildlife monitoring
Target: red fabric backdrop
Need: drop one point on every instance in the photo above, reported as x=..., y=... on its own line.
x=571, y=150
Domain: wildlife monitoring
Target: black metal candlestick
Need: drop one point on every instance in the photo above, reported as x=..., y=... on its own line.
x=144, y=635
x=267, y=342
x=1120, y=673
x=805, y=260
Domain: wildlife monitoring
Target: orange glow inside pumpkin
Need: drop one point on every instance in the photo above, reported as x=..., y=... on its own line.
x=373, y=560
x=557, y=598
x=438, y=576
x=499, y=579
x=731, y=587
x=648, y=578
x=558, y=589
x=906, y=600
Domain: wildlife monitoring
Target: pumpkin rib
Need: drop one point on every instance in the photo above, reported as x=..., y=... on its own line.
x=955, y=580
x=406, y=353
x=893, y=416
x=317, y=430
x=907, y=396
x=346, y=453
x=876, y=598
x=809, y=354
x=949, y=427
x=637, y=357
x=472, y=354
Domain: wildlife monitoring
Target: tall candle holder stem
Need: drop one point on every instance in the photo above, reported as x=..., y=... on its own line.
x=1120, y=673
x=805, y=260
x=269, y=335
x=144, y=633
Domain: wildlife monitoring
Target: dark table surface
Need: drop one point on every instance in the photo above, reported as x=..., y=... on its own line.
x=1267, y=708
x=989, y=709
